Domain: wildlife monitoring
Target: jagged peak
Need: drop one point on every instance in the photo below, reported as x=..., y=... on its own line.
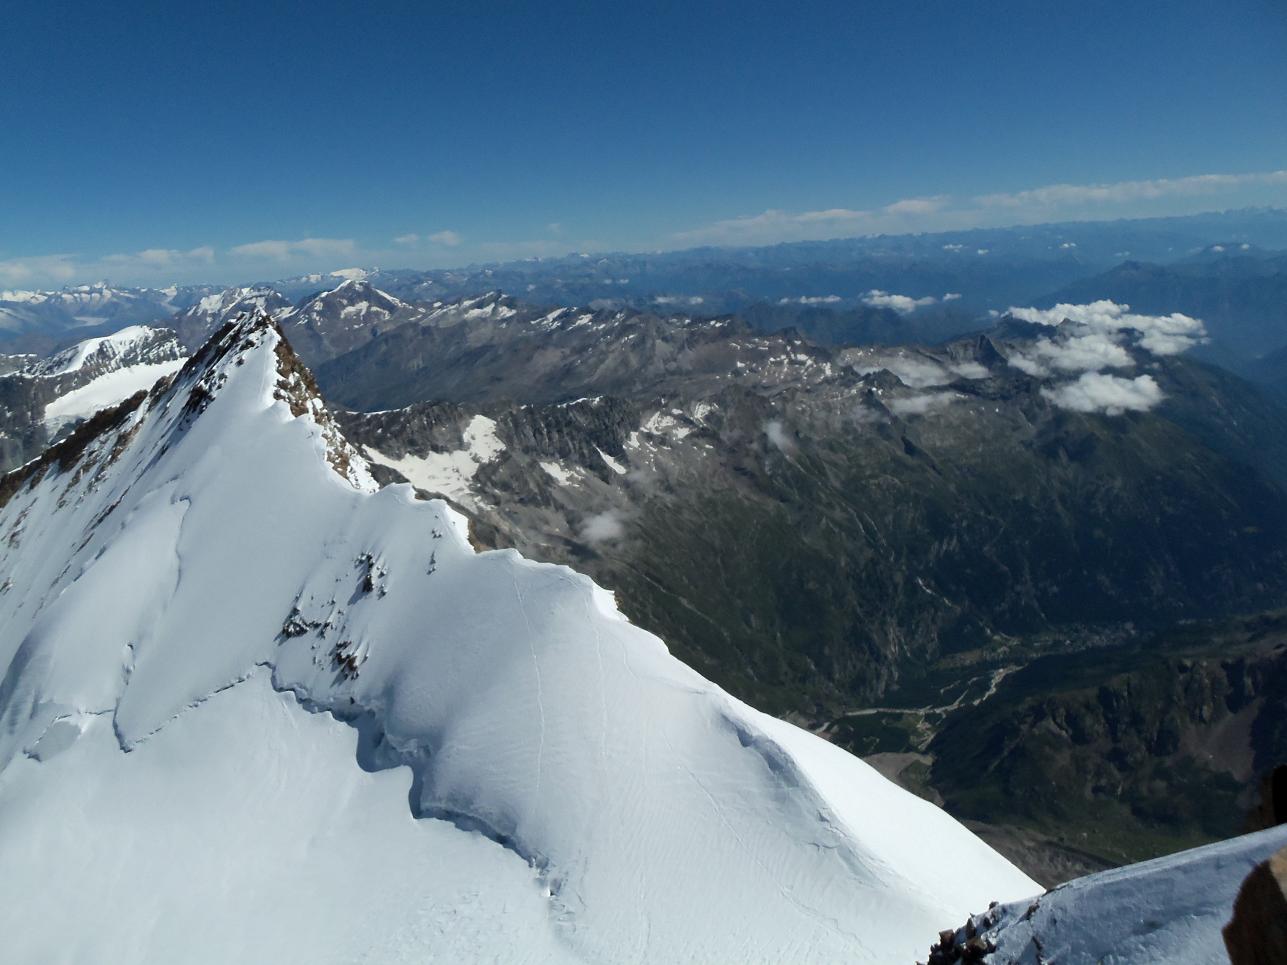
x=230, y=347
x=182, y=398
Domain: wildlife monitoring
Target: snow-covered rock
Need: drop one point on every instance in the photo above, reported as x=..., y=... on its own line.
x=200, y=589
x=133, y=345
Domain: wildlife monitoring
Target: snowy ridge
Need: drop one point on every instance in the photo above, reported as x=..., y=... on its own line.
x=134, y=345
x=603, y=800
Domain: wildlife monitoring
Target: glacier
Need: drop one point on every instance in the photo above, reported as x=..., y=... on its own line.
x=255, y=708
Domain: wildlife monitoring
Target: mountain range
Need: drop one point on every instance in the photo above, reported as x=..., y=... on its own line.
x=1028, y=562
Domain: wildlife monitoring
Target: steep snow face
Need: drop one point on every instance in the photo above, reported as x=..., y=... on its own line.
x=1168, y=911
x=581, y=794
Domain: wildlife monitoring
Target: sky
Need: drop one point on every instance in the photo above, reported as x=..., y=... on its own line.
x=227, y=141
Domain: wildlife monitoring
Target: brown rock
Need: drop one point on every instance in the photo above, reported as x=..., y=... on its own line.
x=1257, y=933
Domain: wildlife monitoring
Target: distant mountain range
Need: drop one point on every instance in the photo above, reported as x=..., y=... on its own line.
x=940, y=283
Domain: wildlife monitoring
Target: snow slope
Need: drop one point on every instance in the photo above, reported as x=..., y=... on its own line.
x=1169, y=910
x=582, y=795
x=108, y=390
x=449, y=473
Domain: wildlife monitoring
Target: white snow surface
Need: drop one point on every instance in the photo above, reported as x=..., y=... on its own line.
x=450, y=473
x=521, y=775
x=108, y=390
x=1169, y=910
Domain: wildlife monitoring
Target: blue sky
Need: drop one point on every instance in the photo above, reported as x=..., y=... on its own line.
x=177, y=141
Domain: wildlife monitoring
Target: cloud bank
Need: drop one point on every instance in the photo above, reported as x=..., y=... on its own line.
x=304, y=247
x=945, y=212
x=1120, y=192
x=1094, y=337
x=1109, y=394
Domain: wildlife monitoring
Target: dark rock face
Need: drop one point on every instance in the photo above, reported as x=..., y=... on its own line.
x=1257, y=933
x=801, y=523
x=1129, y=751
x=1271, y=809
x=493, y=349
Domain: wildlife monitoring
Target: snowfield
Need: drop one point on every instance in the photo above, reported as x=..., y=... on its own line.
x=255, y=710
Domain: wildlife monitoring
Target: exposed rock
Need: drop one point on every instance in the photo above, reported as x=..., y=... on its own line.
x=1257, y=933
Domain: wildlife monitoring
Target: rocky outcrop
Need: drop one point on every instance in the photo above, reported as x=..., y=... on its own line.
x=1257, y=933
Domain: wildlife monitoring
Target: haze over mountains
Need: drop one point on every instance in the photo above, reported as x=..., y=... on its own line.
x=976, y=506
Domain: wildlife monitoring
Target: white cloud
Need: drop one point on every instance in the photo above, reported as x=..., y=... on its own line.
x=1078, y=353
x=408, y=239
x=603, y=527
x=922, y=404
x=916, y=371
x=903, y=304
x=447, y=238
x=1121, y=192
x=951, y=296
x=1160, y=334
x=162, y=258
x=811, y=300
x=970, y=370
x=1109, y=394
x=945, y=213
x=57, y=270
x=691, y=300
x=916, y=206
x=778, y=436
x=303, y=248
x=38, y=270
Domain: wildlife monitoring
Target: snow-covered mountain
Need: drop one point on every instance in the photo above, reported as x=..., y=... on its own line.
x=45, y=395
x=346, y=317
x=196, y=323
x=128, y=347
x=322, y=324
x=255, y=709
